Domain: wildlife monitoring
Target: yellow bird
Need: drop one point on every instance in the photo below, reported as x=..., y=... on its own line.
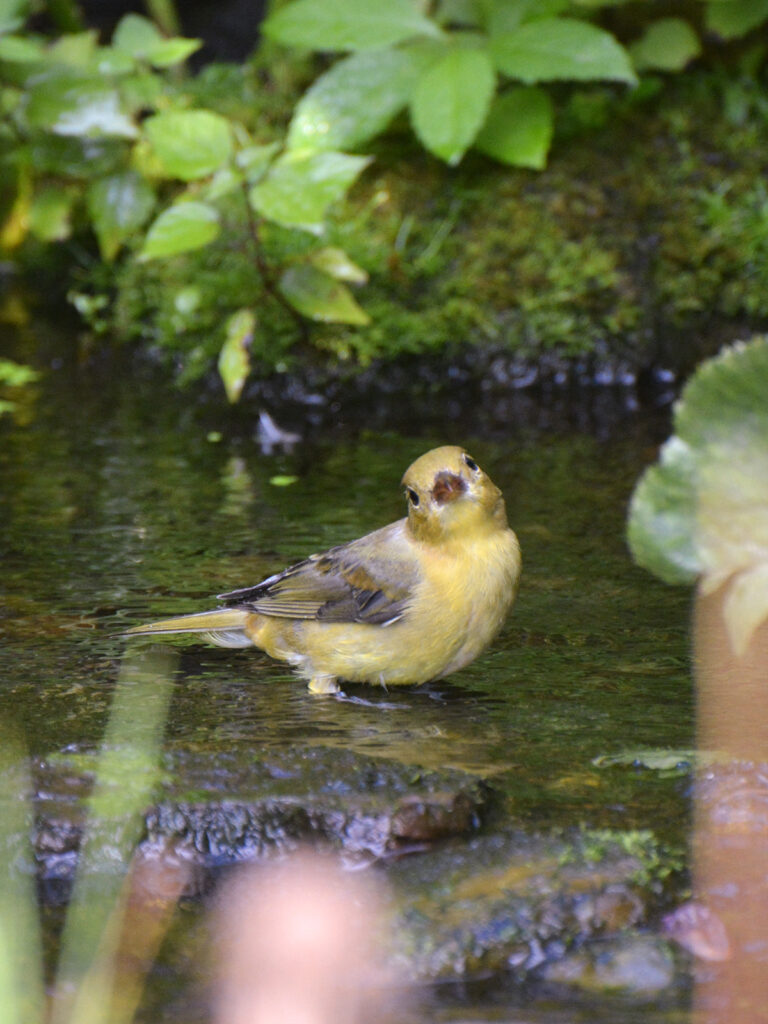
x=413, y=601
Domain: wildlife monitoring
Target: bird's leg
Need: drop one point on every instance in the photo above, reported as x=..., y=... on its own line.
x=323, y=684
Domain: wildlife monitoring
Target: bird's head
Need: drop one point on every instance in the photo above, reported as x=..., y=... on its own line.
x=449, y=495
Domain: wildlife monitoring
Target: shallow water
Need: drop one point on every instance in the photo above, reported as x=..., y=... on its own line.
x=119, y=506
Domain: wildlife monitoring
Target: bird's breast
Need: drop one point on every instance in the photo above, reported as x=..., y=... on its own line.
x=466, y=592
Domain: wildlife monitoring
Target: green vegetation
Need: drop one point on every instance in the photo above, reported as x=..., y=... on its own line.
x=231, y=225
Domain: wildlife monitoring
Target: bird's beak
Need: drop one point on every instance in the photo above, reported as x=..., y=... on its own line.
x=447, y=487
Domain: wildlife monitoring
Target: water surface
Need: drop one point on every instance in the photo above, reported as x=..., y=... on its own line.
x=123, y=500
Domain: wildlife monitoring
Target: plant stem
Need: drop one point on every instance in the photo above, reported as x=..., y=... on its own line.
x=265, y=271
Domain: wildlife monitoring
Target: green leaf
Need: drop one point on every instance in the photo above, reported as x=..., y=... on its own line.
x=283, y=480
x=551, y=49
x=299, y=187
x=703, y=510
x=141, y=39
x=451, y=102
x=254, y=160
x=735, y=18
x=318, y=296
x=49, y=215
x=21, y=49
x=75, y=50
x=668, y=44
x=190, y=144
x=661, y=529
x=518, y=129
x=502, y=16
x=181, y=228
x=12, y=13
x=77, y=106
x=357, y=98
x=335, y=262
x=16, y=375
x=118, y=206
x=235, y=355
x=347, y=24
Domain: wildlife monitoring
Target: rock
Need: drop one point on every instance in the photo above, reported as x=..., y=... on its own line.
x=220, y=810
x=635, y=965
x=518, y=903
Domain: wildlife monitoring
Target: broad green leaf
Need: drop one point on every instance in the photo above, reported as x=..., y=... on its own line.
x=141, y=39
x=21, y=49
x=299, y=188
x=335, y=262
x=190, y=144
x=357, y=98
x=518, y=129
x=667, y=45
x=76, y=50
x=503, y=16
x=82, y=107
x=734, y=18
x=49, y=215
x=12, y=14
x=318, y=296
x=109, y=61
x=136, y=35
x=223, y=183
x=661, y=530
x=118, y=206
x=347, y=24
x=180, y=228
x=468, y=13
x=254, y=160
x=703, y=510
x=283, y=480
x=551, y=49
x=235, y=354
x=451, y=100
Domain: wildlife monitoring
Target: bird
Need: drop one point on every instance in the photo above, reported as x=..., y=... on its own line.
x=409, y=603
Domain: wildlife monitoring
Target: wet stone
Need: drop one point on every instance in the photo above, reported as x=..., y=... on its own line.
x=518, y=904
x=220, y=810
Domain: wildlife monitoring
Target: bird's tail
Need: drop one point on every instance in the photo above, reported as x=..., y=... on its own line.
x=224, y=627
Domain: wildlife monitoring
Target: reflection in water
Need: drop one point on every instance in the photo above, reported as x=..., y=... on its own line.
x=731, y=820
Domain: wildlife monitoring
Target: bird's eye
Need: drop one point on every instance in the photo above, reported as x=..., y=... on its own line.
x=470, y=462
x=412, y=496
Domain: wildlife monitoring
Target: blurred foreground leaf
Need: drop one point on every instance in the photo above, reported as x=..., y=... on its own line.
x=702, y=511
x=127, y=772
x=21, y=979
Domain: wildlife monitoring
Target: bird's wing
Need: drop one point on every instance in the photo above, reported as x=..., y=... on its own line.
x=368, y=580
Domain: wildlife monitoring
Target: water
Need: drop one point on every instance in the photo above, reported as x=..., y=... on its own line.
x=119, y=506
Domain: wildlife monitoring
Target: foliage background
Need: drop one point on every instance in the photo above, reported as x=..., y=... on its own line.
x=585, y=197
